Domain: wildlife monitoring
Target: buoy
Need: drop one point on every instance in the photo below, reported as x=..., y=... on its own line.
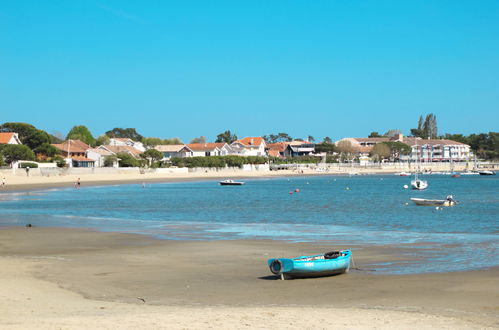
x=297, y=190
x=308, y=183
x=406, y=186
x=406, y=203
x=347, y=188
x=291, y=193
x=436, y=207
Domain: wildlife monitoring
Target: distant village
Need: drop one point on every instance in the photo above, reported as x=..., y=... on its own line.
x=397, y=147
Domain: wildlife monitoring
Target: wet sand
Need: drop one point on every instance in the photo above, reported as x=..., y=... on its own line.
x=69, y=278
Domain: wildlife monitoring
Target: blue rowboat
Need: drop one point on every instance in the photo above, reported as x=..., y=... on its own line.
x=330, y=263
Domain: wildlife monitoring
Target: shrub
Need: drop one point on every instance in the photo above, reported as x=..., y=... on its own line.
x=30, y=165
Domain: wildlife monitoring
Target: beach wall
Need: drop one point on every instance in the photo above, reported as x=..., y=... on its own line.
x=246, y=168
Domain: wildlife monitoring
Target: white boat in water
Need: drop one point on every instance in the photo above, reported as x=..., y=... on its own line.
x=417, y=183
x=231, y=183
x=485, y=172
x=449, y=201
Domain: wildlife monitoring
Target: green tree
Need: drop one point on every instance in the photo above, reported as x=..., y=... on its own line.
x=102, y=140
x=152, y=155
x=380, y=151
x=175, y=140
x=151, y=142
x=279, y=137
x=127, y=133
x=110, y=160
x=226, y=137
x=200, y=139
x=47, y=150
x=392, y=133
x=328, y=148
x=14, y=152
x=374, y=135
x=127, y=160
x=397, y=149
x=28, y=134
x=327, y=139
x=310, y=138
x=81, y=133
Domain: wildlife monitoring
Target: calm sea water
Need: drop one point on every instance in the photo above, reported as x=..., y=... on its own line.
x=341, y=210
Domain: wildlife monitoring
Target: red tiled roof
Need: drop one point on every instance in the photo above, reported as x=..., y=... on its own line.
x=204, y=146
x=5, y=137
x=251, y=141
x=82, y=159
x=279, y=146
x=74, y=146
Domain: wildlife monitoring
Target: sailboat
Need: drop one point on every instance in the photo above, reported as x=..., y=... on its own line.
x=417, y=183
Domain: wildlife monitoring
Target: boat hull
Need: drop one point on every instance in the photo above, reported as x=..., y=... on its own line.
x=432, y=202
x=312, y=266
x=222, y=183
x=487, y=173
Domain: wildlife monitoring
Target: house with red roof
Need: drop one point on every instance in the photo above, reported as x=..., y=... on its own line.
x=249, y=146
x=9, y=138
x=75, y=152
x=209, y=149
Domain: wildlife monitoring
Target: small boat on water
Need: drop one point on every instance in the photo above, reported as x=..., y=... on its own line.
x=456, y=175
x=231, y=183
x=330, y=263
x=485, y=172
x=418, y=184
x=449, y=201
x=469, y=173
x=403, y=174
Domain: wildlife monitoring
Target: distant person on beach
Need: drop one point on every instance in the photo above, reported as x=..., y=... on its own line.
x=3, y=182
x=78, y=183
x=27, y=170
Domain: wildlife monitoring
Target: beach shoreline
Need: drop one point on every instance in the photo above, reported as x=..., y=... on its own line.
x=76, y=276
x=22, y=182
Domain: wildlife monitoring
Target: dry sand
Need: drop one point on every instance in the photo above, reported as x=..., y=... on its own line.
x=76, y=279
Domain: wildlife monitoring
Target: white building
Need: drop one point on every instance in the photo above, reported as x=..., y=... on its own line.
x=209, y=149
x=174, y=150
x=99, y=156
x=9, y=138
x=127, y=142
x=249, y=146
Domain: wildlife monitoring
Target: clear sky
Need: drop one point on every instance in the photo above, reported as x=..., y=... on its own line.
x=189, y=68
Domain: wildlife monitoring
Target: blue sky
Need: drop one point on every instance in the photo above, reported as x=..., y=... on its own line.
x=189, y=68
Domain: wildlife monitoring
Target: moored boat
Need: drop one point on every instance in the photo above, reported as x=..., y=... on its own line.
x=449, y=201
x=330, y=263
x=403, y=174
x=418, y=184
x=231, y=183
x=486, y=172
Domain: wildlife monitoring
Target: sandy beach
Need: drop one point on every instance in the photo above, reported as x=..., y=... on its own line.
x=77, y=279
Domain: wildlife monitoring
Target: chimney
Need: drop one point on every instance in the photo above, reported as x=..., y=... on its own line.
x=252, y=141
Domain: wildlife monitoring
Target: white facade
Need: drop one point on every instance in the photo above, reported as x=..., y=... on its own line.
x=249, y=146
x=127, y=142
x=9, y=138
